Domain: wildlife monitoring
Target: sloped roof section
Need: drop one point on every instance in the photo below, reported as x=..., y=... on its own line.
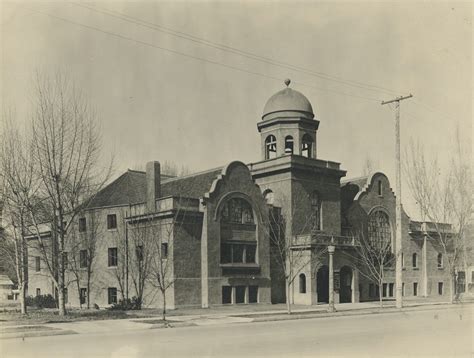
x=5, y=280
x=129, y=188
x=190, y=186
x=359, y=181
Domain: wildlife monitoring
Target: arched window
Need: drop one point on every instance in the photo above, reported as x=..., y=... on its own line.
x=315, y=210
x=289, y=144
x=307, y=146
x=302, y=283
x=440, y=260
x=269, y=196
x=380, y=235
x=270, y=147
x=414, y=260
x=238, y=233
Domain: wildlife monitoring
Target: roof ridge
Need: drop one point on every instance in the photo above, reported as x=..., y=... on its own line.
x=192, y=175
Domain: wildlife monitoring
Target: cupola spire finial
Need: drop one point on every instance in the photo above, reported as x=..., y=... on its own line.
x=287, y=82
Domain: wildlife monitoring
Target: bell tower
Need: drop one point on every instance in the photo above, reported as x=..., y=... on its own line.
x=288, y=125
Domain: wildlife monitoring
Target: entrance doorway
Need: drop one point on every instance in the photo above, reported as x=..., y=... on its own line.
x=322, y=284
x=345, y=293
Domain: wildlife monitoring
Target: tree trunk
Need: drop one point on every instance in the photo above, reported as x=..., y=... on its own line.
x=163, y=293
x=79, y=292
x=452, y=288
x=288, y=303
x=88, y=292
x=23, y=298
x=381, y=294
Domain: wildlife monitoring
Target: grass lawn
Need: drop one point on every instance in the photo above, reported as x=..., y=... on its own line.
x=40, y=316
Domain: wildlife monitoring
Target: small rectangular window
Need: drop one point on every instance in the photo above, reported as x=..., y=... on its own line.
x=38, y=292
x=65, y=260
x=139, y=252
x=384, y=290
x=112, y=295
x=83, y=258
x=111, y=221
x=83, y=295
x=379, y=187
x=112, y=257
x=66, y=295
x=415, y=288
x=226, y=294
x=38, y=264
x=403, y=288
x=253, y=294
x=377, y=291
x=240, y=294
x=164, y=250
x=440, y=288
x=390, y=289
x=82, y=225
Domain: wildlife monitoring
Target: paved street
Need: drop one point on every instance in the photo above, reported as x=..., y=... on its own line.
x=446, y=332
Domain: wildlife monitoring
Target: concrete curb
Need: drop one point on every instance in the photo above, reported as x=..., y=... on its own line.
x=44, y=333
x=359, y=312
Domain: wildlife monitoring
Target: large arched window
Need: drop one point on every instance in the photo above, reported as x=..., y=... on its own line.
x=307, y=146
x=316, y=210
x=270, y=147
x=289, y=144
x=440, y=260
x=238, y=232
x=380, y=233
x=302, y=283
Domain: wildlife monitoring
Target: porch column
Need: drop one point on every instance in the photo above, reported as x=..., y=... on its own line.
x=331, y=250
x=424, y=268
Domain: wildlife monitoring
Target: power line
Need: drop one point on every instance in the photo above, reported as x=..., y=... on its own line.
x=233, y=50
x=199, y=58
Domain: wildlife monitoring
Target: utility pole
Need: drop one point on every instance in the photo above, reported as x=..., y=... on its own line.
x=398, y=209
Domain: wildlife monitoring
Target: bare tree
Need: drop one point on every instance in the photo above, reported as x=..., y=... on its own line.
x=442, y=199
x=373, y=256
x=19, y=193
x=369, y=166
x=66, y=146
x=82, y=241
x=142, y=233
x=461, y=200
x=294, y=253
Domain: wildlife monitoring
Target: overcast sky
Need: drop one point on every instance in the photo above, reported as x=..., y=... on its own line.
x=157, y=101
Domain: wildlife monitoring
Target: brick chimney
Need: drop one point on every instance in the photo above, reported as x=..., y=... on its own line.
x=153, y=190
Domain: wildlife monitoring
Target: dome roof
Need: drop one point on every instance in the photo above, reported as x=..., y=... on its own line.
x=288, y=100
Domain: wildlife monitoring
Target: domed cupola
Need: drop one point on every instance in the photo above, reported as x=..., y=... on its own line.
x=288, y=103
x=288, y=126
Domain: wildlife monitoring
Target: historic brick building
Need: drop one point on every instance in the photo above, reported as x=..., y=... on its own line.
x=218, y=242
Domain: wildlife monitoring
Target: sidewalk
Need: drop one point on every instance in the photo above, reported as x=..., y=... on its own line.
x=213, y=316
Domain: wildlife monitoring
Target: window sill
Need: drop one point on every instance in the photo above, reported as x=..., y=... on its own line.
x=416, y=269
x=240, y=267
x=440, y=268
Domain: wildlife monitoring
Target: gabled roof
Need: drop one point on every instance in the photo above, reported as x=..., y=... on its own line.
x=359, y=181
x=130, y=188
x=190, y=186
x=5, y=280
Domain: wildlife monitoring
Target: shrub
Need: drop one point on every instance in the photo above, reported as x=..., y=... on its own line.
x=127, y=304
x=41, y=301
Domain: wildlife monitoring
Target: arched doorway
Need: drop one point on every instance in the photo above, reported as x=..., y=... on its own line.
x=345, y=292
x=322, y=284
